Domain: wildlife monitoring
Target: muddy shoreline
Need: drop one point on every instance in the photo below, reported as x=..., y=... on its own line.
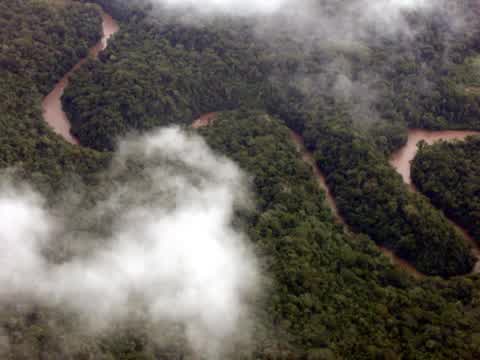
x=400, y=160
x=52, y=109
x=310, y=160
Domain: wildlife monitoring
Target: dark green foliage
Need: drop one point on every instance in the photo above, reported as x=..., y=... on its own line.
x=332, y=292
x=449, y=174
x=374, y=201
x=329, y=294
x=460, y=103
x=132, y=10
x=219, y=63
x=159, y=71
x=144, y=80
x=41, y=41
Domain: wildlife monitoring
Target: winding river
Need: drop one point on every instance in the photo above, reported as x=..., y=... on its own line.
x=53, y=112
x=310, y=160
x=55, y=116
x=401, y=161
x=322, y=182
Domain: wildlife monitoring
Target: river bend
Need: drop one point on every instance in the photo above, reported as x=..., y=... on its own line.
x=52, y=109
x=401, y=160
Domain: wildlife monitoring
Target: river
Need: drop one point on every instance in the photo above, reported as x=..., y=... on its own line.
x=53, y=112
x=204, y=120
x=55, y=116
x=401, y=161
x=310, y=160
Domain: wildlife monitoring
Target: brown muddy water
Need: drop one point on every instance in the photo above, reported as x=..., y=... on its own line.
x=401, y=161
x=53, y=113
x=401, y=158
x=310, y=160
x=204, y=120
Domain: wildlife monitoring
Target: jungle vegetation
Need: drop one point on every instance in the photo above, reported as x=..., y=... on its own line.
x=40, y=42
x=448, y=173
x=161, y=71
x=332, y=293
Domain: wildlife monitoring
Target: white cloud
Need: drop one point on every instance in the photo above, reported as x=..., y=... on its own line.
x=228, y=6
x=172, y=249
x=252, y=7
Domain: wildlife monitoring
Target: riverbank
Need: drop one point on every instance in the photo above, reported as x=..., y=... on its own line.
x=401, y=162
x=402, y=158
x=58, y=120
x=52, y=109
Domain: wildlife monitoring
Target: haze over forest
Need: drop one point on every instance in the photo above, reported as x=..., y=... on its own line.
x=226, y=179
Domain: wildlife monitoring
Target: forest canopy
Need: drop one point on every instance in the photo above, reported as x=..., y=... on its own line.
x=328, y=291
x=448, y=173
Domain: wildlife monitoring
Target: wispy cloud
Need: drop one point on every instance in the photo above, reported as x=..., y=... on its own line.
x=171, y=251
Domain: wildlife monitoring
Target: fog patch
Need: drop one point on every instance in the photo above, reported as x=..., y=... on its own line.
x=160, y=245
x=252, y=7
x=332, y=19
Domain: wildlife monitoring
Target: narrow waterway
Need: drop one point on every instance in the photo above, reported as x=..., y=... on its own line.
x=310, y=160
x=402, y=158
x=204, y=120
x=402, y=264
x=53, y=112
x=55, y=116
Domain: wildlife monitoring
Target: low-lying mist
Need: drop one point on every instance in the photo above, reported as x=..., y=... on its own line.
x=242, y=7
x=346, y=35
x=335, y=20
x=160, y=245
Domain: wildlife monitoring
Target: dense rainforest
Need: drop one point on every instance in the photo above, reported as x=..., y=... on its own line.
x=41, y=41
x=373, y=199
x=330, y=293
x=160, y=70
x=449, y=173
x=327, y=283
